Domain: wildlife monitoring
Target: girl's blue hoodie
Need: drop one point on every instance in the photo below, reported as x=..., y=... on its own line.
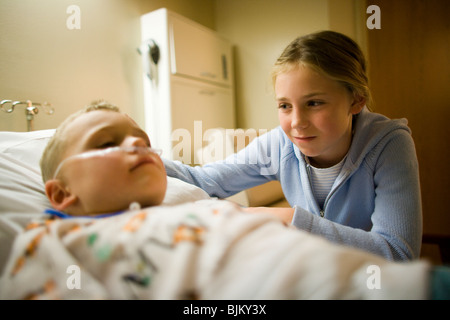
x=374, y=204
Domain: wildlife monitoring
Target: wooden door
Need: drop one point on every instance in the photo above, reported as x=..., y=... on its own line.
x=409, y=71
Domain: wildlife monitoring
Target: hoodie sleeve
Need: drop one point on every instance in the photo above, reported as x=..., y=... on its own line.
x=254, y=165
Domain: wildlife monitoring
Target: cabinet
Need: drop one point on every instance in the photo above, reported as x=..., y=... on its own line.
x=189, y=88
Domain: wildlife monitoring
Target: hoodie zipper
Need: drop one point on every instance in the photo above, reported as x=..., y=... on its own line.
x=322, y=211
x=308, y=172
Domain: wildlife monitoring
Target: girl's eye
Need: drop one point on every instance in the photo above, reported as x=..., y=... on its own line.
x=283, y=106
x=314, y=103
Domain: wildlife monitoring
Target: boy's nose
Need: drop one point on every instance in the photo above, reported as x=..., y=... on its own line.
x=135, y=142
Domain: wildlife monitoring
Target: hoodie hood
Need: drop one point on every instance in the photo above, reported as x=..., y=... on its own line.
x=372, y=132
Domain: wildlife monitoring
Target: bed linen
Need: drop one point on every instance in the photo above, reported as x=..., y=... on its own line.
x=207, y=249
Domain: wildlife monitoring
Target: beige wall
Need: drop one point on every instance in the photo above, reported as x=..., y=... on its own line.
x=42, y=60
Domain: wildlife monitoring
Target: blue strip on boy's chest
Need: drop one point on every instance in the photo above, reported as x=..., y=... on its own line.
x=63, y=215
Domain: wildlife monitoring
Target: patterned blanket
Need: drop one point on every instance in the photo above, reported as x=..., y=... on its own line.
x=203, y=250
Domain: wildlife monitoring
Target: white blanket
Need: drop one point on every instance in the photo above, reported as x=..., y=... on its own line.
x=203, y=250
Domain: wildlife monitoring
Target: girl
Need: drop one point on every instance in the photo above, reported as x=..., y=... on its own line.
x=349, y=174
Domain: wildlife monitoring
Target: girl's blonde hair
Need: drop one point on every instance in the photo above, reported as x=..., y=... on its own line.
x=331, y=54
x=57, y=145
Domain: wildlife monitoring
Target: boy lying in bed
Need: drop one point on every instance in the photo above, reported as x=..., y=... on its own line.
x=100, y=161
x=203, y=250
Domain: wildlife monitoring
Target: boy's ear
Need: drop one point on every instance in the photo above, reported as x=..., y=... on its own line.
x=59, y=196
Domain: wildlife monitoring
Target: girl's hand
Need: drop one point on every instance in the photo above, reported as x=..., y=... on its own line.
x=284, y=214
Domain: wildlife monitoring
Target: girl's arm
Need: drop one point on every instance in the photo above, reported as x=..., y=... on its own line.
x=284, y=214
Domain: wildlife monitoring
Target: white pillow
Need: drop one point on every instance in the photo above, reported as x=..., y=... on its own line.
x=21, y=186
x=179, y=192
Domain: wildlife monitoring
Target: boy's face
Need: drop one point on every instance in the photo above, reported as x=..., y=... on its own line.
x=110, y=182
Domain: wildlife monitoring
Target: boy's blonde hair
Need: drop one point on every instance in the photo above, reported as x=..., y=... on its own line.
x=57, y=145
x=331, y=54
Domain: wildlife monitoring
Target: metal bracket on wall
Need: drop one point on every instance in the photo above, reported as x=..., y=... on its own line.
x=31, y=109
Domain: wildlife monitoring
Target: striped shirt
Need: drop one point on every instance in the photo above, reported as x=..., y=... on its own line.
x=322, y=180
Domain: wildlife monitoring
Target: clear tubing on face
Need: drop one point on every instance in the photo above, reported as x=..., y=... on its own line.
x=103, y=152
